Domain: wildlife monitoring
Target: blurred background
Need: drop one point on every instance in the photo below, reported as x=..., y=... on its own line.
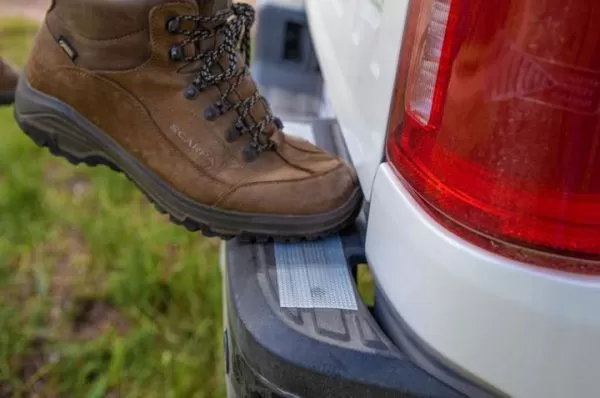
x=100, y=296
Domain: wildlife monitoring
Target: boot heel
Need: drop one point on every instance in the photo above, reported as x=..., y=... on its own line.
x=75, y=151
x=52, y=128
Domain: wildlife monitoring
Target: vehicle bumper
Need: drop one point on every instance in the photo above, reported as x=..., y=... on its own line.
x=307, y=352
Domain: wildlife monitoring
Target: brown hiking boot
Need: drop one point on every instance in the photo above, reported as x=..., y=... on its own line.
x=8, y=82
x=159, y=90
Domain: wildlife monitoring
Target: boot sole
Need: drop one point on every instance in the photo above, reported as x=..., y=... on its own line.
x=7, y=97
x=53, y=124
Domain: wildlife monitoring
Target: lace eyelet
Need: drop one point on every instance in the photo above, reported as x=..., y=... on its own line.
x=173, y=26
x=176, y=53
x=211, y=113
x=233, y=133
x=190, y=92
x=250, y=154
x=278, y=123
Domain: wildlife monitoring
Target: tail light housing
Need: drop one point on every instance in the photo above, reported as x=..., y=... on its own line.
x=496, y=122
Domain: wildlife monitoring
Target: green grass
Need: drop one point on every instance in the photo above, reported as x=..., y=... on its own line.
x=99, y=295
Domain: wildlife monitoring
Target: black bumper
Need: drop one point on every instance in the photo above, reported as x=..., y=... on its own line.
x=287, y=352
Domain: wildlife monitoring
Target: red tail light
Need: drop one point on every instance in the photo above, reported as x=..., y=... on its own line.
x=496, y=122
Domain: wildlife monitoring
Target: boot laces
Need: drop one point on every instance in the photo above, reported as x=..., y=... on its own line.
x=234, y=25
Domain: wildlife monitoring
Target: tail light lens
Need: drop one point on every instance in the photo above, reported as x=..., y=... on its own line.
x=496, y=121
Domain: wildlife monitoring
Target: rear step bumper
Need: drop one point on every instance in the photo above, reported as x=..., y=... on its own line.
x=309, y=352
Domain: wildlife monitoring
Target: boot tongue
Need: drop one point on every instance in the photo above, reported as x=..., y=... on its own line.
x=209, y=7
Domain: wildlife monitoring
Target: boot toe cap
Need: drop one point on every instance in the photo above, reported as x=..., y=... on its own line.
x=314, y=195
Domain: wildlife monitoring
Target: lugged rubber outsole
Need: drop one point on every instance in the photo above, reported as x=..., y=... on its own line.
x=58, y=130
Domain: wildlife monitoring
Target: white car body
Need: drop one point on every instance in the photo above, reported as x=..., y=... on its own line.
x=521, y=329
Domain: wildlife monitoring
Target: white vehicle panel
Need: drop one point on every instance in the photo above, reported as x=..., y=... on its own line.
x=358, y=44
x=527, y=331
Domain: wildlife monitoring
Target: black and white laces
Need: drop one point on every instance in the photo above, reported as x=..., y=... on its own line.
x=233, y=25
